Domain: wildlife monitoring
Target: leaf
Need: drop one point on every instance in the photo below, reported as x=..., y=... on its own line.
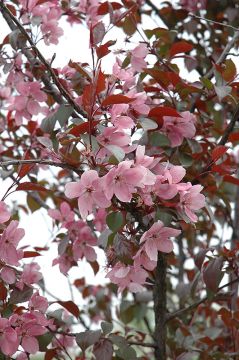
x=180, y=47
x=158, y=139
x=118, y=153
x=3, y=292
x=98, y=33
x=106, y=327
x=50, y=354
x=222, y=91
x=116, y=99
x=218, y=152
x=44, y=340
x=30, y=254
x=83, y=128
x=158, y=113
x=231, y=179
x=185, y=159
x=200, y=257
x=147, y=124
x=213, y=274
x=103, y=350
x=25, y=186
x=114, y=221
x=87, y=338
x=230, y=71
x=61, y=115
x=19, y=296
x=71, y=307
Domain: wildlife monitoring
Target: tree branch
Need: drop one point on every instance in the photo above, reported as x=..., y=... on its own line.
x=39, y=162
x=15, y=24
x=160, y=307
x=180, y=312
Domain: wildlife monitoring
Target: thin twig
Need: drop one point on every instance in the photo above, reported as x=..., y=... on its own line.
x=214, y=22
x=180, y=312
x=39, y=162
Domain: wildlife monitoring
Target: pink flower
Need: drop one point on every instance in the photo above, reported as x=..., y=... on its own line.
x=8, y=338
x=64, y=215
x=65, y=262
x=112, y=136
x=4, y=213
x=38, y=302
x=8, y=243
x=166, y=186
x=89, y=192
x=190, y=201
x=128, y=277
x=27, y=103
x=157, y=239
x=8, y=275
x=30, y=275
x=122, y=180
x=178, y=128
x=119, y=117
x=137, y=57
x=100, y=220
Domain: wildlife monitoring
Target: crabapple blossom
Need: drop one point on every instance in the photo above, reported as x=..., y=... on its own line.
x=64, y=215
x=191, y=200
x=4, y=213
x=157, y=239
x=137, y=57
x=127, y=277
x=178, y=128
x=8, y=337
x=8, y=243
x=89, y=191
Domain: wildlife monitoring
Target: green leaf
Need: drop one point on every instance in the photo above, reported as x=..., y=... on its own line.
x=114, y=221
x=87, y=338
x=61, y=115
x=118, y=153
x=148, y=124
x=157, y=139
x=106, y=327
x=44, y=340
x=185, y=159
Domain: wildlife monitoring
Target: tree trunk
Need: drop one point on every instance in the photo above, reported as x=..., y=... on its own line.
x=160, y=307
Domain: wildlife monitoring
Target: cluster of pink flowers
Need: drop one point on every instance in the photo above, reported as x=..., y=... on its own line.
x=21, y=328
x=26, y=104
x=46, y=15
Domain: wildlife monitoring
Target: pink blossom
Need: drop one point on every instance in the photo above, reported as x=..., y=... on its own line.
x=38, y=302
x=157, y=239
x=166, y=186
x=127, y=277
x=8, y=275
x=122, y=180
x=138, y=104
x=119, y=117
x=65, y=262
x=64, y=215
x=89, y=192
x=137, y=57
x=83, y=240
x=190, y=201
x=100, y=220
x=4, y=213
x=30, y=275
x=112, y=136
x=8, y=243
x=126, y=75
x=27, y=103
x=178, y=128
x=142, y=259
x=8, y=338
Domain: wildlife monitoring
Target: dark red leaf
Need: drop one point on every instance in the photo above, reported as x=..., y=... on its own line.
x=231, y=179
x=103, y=349
x=50, y=354
x=29, y=254
x=213, y=274
x=200, y=257
x=234, y=137
x=71, y=307
x=104, y=7
x=218, y=152
x=116, y=99
x=83, y=128
x=158, y=113
x=3, y=292
x=180, y=47
x=30, y=186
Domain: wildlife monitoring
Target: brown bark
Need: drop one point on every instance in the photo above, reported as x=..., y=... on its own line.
x=160, y=307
